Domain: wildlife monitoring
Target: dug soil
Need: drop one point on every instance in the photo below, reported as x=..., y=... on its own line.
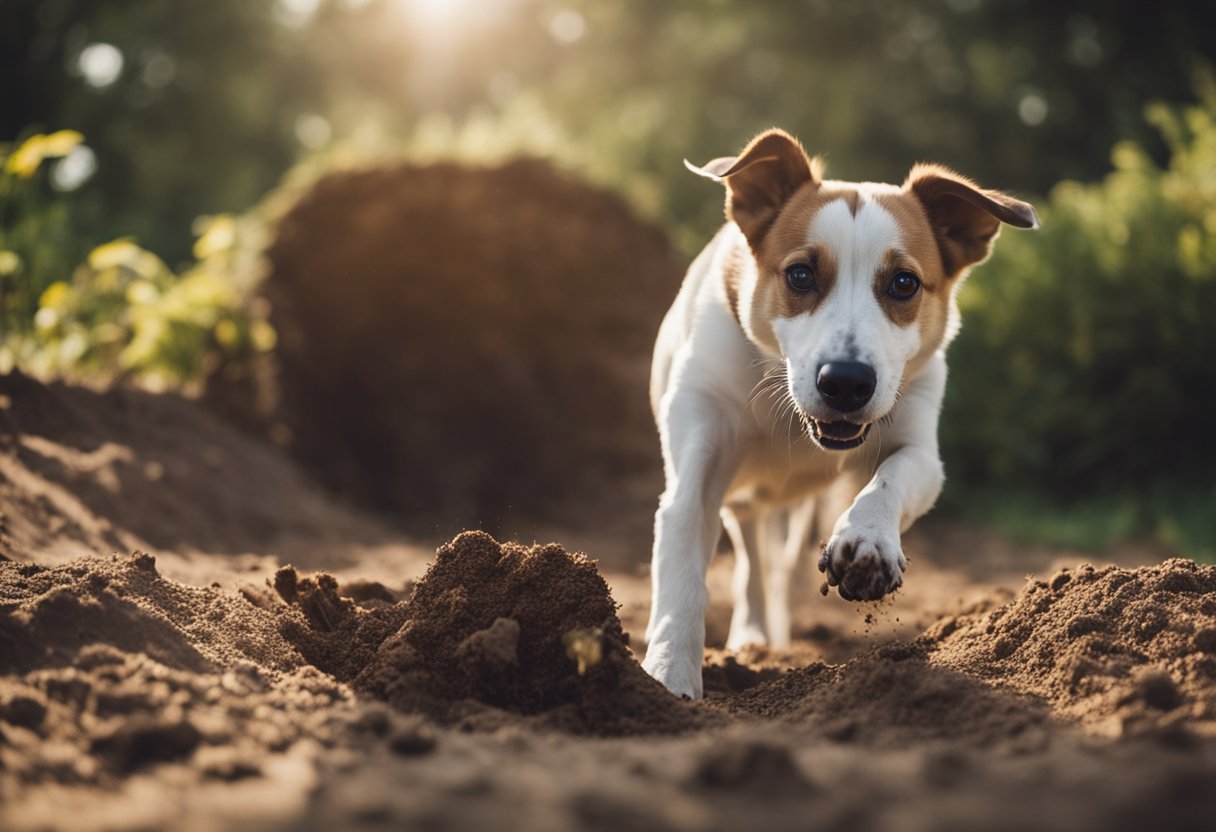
x=271, y=658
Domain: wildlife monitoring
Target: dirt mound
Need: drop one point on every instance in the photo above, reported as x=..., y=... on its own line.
x=48, y=616
x=107, y=668
x=894, y=697
x=1116, y=649
x=457, y=364
x=86, y=471
x=529, y=630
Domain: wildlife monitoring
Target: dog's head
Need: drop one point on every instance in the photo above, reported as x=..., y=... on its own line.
x=854, y=283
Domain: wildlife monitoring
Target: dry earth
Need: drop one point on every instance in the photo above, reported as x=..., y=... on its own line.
x=161, y=667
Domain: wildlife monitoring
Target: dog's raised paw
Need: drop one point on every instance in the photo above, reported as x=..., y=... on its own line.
x=862, y=566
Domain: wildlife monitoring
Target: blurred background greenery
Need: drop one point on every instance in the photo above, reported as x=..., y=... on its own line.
x=150, y=142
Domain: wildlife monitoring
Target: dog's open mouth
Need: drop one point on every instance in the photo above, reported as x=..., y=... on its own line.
x=839, y=436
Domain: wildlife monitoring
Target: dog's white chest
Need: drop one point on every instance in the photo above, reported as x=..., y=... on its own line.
x=781, y=465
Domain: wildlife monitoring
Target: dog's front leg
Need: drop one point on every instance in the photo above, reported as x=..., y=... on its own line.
x=700, y=449
x=864, y=556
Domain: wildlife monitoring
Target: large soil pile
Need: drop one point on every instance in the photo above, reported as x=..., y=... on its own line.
x=1116, y=649
x=459, y=344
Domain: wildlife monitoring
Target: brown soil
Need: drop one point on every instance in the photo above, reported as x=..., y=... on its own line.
x=214, y=686
x=425, y=311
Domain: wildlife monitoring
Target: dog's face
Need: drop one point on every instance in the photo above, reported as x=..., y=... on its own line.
x=853, y=284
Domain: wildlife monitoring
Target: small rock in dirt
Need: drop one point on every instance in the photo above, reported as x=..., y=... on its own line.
x=494, y=648
x=1158, y=690
x=138, y=743
x=759, y=767
x=1205, y=640
x=25, y=710
x=144, y=561
x=1059, y=580
x=364, y=592
x=413, y=740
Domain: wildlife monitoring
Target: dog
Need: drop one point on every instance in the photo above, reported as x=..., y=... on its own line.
x=797, y=379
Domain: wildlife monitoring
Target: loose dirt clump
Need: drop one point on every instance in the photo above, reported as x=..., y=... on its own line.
x=331, y=630
x=492, y=623
x=1116, y=649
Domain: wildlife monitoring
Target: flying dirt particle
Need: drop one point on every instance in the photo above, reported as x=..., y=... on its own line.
x=585, y=647
x=823, y=588
x=869, y=618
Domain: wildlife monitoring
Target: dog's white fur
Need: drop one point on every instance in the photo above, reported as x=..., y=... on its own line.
x=725, y=395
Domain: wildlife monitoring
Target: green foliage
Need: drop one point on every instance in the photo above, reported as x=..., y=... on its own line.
x=1085, y=367
x=214, y=100
x=37, y=243
x=124, y=313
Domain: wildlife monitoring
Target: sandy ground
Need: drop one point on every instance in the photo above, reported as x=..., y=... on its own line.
x=198, y=685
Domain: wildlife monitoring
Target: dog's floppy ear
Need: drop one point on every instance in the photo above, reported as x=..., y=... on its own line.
x=760, y=179
x=965, y=217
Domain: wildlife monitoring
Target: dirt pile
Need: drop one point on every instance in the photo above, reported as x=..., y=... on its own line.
x=525, y=629
x=85, y=471
x=453, y=339
x=894, y=697
x=106, y=668
x=48, y=616
x=1119, y=650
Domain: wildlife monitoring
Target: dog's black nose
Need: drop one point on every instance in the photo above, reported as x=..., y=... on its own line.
x=846, y=385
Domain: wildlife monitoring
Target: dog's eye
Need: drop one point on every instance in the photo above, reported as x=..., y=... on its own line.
x=903, y=286
x=800, y=277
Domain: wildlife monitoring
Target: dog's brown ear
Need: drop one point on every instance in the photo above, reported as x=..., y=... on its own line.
x=760, y=180
x=965, y=217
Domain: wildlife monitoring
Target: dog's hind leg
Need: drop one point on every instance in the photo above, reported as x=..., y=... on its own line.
x=747, y=620
x=784, y=543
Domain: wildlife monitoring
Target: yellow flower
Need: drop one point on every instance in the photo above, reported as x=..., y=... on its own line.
x=26, y=159
x=60, y=143
x=10, y=262
x=262, y=334
x=218, y=235
x=117, y=253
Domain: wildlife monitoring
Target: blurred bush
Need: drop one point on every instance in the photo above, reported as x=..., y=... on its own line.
x=37, y=237
x=122, y=312
x=1084, y=375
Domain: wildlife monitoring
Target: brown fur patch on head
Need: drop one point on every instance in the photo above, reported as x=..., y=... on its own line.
x=921, y=256
x=761, y=179
x=784, y=245
x=964, y=217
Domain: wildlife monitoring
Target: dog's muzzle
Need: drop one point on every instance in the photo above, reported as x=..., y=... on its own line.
x=842, y=435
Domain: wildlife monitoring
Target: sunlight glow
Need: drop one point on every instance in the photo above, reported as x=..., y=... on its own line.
x=434, y=16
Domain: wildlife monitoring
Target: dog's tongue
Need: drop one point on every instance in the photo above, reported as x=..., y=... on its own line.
x=840, y=430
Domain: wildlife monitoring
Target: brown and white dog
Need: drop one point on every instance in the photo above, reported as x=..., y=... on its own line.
x=832, y=303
